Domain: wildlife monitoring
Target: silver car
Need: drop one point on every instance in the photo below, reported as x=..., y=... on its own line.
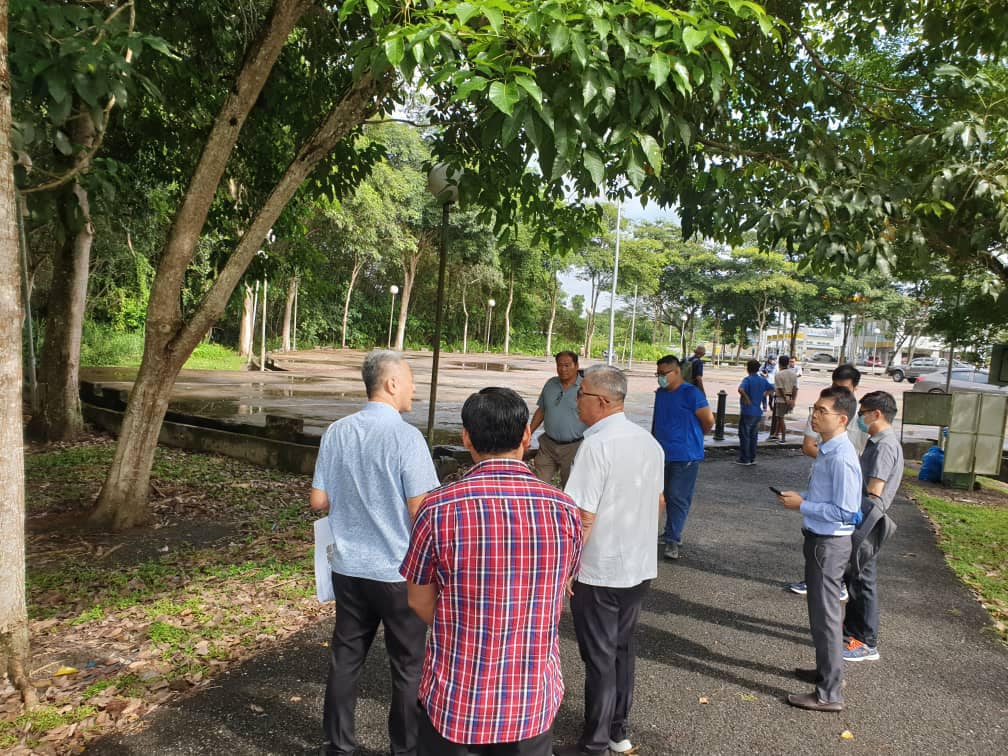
x=963, y=379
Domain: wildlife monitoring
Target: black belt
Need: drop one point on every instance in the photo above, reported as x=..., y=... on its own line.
x=563, y=443
x=806, y=531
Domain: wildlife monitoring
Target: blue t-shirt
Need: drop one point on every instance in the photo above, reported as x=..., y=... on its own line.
x=369, y=463
x=676, y=425
x=754, y=386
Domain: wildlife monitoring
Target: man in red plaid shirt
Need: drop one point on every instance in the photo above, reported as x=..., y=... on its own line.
x=487, y=567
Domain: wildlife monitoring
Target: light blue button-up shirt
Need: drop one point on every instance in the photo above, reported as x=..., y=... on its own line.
x=834, y=492
x=369, y=463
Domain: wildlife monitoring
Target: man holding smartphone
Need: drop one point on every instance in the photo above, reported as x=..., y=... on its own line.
x=828, y=508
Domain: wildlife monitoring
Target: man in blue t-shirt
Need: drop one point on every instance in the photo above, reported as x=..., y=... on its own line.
x=753, y=394
x=372, y=472
x=681, y=418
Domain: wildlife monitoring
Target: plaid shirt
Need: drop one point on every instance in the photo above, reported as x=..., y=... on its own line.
x=500, y=546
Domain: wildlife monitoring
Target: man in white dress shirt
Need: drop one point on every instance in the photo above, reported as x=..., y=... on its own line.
x=616, y=482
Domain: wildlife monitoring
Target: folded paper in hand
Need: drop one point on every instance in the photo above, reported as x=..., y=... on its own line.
x=323, y=572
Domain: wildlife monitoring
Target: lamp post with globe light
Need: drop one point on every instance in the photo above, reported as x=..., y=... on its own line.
x=442, y=182
x=490, y=306
x=393, y=290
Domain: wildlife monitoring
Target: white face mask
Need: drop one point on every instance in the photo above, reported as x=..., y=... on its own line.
x=663, y=381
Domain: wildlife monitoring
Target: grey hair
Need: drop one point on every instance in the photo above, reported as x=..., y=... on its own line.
x=376, y=368
x=610, y=380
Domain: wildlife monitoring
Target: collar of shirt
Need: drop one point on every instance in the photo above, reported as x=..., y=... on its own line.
x=498, y=465
x=882, y=434
x=602, y=424
x=828, y=447
x=381, y=407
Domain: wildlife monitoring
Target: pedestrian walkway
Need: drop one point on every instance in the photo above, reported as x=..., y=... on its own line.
x=718, y=640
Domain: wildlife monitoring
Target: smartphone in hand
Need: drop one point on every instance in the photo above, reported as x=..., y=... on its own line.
x=775, y=490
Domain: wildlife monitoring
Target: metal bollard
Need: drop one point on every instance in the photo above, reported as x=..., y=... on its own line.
x=722, y=401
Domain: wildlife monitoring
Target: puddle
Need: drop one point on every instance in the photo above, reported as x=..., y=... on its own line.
x=497, y=367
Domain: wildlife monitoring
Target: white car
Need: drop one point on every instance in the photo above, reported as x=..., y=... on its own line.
x=963, y=379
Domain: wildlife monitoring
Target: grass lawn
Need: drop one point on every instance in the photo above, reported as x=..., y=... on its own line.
x=974, y=537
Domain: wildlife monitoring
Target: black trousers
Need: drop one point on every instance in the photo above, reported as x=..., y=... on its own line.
x=360, y=606
x=433, y=743
x=604, y=622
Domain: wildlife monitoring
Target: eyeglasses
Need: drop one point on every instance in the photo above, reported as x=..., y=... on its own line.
x=818, y=410
x=581, y=393
x=660, y=372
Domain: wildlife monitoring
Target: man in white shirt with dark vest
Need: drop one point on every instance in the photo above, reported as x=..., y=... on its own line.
x=616, y=482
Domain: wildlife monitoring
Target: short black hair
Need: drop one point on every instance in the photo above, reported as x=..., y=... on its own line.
x=783, y=361
x=669, y=359
x=752, y=366
x=495, y=419
x=566, y=353
x=847, y=372
x=843, y=400
x=882, y=401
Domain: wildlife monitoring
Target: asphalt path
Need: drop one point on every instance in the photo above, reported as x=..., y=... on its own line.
x=718, y=639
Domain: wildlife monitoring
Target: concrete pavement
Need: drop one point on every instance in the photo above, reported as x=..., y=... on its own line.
x=718, y=625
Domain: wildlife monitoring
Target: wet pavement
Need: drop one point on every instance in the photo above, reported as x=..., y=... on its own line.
x=322, y=385
x=718, y=639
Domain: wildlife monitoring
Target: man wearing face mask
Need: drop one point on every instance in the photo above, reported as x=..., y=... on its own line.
x=882, y=471
x=682, y=417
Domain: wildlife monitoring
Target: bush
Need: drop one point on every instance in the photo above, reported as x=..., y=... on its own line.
x=106, y=346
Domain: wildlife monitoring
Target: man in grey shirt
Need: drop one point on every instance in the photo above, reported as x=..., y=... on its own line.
x=372, y=473
x=557, y=411
x=882, y=471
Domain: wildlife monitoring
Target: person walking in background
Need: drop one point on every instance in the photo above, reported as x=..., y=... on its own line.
x=829, y=508
x=785, y=392
x=616, y=483
x=556, y=410
x=681, y=418
x=696, y=367
x=488, y=567
x=373, y=470
x=754, y=391
x=882, y=472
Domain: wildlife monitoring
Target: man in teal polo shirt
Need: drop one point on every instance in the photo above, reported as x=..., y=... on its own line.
x=557, y=411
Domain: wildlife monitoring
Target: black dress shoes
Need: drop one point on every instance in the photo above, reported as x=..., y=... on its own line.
x=811, y=702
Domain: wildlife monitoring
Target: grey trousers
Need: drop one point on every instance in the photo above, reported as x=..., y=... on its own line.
x=826, y=559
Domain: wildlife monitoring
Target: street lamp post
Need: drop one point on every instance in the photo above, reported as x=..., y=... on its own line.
x=442, y=182
x=612, y=298
x=393, y=290
x=490, y=306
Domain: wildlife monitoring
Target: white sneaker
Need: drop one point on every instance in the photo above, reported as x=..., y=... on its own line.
x=622, y=747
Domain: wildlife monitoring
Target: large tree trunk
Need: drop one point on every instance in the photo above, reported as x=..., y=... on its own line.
x=13, y=612
x=59, y=417
x=358, y=265
x=285, y=333
x=554, y=296
x=507, y=315
x=245, y=331
x=171, y=337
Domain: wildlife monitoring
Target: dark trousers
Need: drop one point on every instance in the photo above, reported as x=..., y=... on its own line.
x=861, y=619
x=433, y=743
x=360, y=606
x=748, y=433
x=604, y=621
x=826, y=559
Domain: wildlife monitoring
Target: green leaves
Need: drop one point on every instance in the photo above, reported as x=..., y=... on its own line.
x=504, y=96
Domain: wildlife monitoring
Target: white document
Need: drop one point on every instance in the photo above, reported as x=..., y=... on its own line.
x=323, y=572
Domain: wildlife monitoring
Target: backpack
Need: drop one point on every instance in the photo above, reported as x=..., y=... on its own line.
x=686, y=368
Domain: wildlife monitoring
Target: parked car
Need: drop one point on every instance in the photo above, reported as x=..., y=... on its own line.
x=871, y=362
x=920, y=366
x=822, y=357
x=963, y=379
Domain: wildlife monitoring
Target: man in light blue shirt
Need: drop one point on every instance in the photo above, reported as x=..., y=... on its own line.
x=828, y=508
x=372, y=473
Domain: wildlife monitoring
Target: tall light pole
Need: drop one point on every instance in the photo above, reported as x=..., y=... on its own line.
x=612, y=298
x=393, y=290
x=490, y=306
x=442, y=182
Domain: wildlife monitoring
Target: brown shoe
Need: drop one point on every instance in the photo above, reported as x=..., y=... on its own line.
x=811, y=702
x=812, y=676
